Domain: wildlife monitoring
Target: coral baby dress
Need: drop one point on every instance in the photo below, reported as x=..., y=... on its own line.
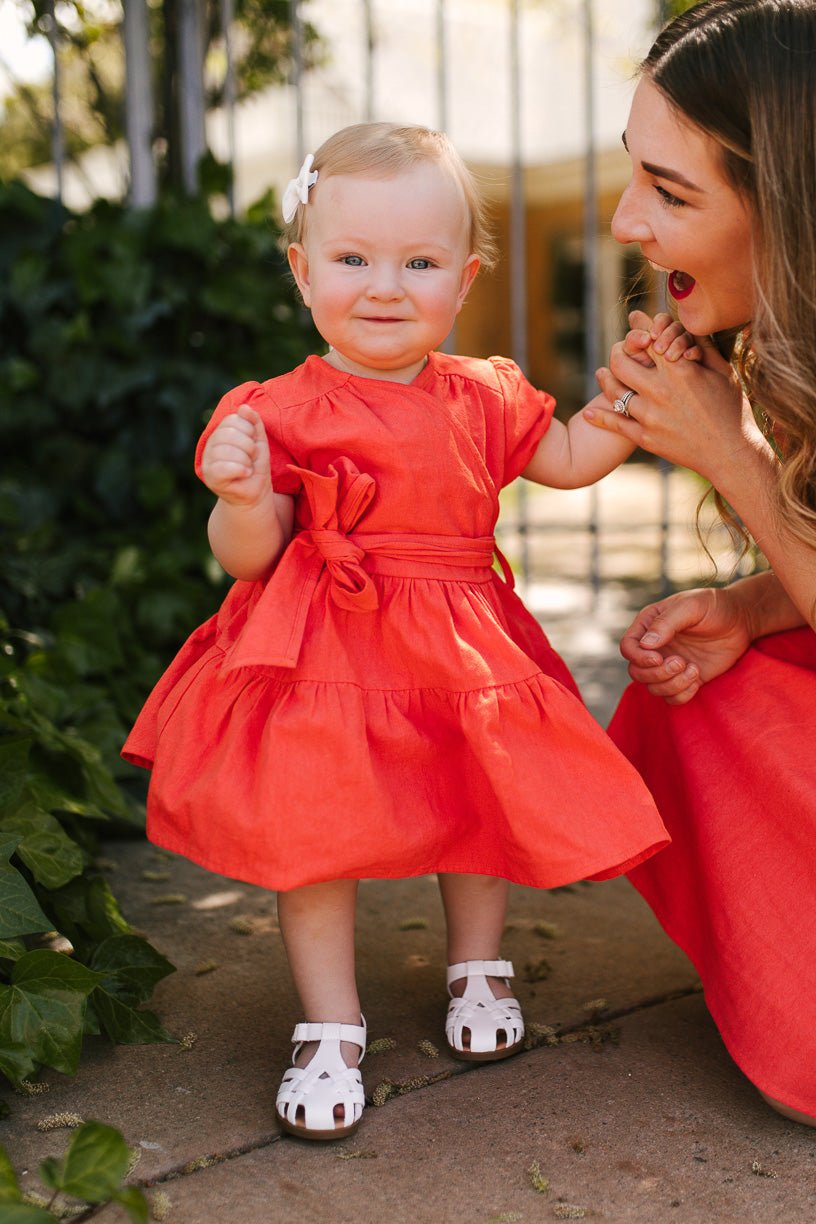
x=384, y=705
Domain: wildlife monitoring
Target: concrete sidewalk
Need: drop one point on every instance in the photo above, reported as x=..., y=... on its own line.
x=625, y=1108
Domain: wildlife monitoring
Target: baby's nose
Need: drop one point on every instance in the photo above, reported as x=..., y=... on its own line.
x=384, y=282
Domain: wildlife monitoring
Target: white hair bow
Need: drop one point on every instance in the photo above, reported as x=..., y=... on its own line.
x=297, y=189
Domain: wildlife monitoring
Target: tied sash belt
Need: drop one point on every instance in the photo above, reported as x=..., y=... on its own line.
x=273, y=633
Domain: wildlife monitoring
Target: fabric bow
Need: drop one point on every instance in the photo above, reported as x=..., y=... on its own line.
x=274, y=631
x=297, y=189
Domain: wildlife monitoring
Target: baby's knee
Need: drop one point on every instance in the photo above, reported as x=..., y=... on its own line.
x=795, y=1115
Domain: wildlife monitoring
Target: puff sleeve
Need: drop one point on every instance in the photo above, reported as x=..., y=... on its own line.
x=527, y=416
x=258, y=397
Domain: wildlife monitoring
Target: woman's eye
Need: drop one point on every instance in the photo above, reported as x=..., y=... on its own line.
x=353, y=261
x=671, y=201
x=419, y=264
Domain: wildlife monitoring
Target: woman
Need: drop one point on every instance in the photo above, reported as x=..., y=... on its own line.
x=722, y=720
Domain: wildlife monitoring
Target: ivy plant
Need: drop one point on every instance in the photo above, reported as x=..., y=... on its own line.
x=93, y=1171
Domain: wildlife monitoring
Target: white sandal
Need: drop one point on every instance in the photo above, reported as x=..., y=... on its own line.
x=485, y=1020
x=308, y=1096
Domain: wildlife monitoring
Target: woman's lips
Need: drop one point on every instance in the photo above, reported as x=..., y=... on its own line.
x=680, y=285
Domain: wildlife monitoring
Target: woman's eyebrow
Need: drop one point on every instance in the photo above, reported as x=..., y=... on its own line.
x=673, y=176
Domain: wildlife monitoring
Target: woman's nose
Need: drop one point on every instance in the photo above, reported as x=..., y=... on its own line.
x=629, y=223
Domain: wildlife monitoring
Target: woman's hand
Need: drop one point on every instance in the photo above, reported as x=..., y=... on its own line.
x=691, y=412
x=235, y=462
x=676, y=645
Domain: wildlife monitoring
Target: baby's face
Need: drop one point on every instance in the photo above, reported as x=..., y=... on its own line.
x=384, y=266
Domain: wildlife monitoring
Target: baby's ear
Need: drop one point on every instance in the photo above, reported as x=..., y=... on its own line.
x=472, y=264
x=299, y=263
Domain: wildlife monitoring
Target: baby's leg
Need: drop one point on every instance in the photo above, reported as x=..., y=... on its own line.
x=321, y=1096
x=317, y=925
x=475, y=910
x=484, y=1020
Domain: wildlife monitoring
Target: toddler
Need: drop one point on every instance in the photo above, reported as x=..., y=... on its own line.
x=373, y=699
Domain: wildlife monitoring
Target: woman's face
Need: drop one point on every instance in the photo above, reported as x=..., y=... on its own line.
x=688, y=220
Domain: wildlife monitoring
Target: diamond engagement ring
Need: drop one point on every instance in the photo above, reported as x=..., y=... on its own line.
x=620, y=405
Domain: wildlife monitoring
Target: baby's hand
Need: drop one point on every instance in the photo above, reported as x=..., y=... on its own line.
x=663, y=334
x=235, y=463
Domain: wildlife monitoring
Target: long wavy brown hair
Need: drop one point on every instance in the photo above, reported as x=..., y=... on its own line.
x=744, y=72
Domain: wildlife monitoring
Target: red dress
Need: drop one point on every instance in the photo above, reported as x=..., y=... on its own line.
x=384, y=705
x=734, y=776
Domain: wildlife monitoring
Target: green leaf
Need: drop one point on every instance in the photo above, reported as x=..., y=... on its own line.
x=51, y=797
x=132, y=967
x=46, y=849
x=20, y=914
x=9, y=1186
x=134, y=1203
x=51, y=1172
x=42, y=1009
x=14, y=752
x=16, y=1061
x=26, y=1213
x=89, y=628
x=124, y=1024
x=95, y=1163
x=11, y=949
x=86, y=912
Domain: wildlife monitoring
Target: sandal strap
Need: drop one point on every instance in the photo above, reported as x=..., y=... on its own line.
x=330, y=1031
x=481, y=968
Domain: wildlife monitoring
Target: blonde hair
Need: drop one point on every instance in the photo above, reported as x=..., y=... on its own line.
x=744, y=72
x=384, y=150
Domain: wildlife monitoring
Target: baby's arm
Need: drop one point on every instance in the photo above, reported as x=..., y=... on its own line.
x=568, y=456
x=250, y=524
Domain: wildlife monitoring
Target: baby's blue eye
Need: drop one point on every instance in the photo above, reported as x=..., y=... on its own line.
x=353, y=261
x=419, y=264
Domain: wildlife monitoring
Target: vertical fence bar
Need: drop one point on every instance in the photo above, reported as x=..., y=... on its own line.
x=441, y=68
x=227, y=19
x=368, y=18
x=591, y=272
x=139, y=105
x=297, y=79
x=57, y=140
x=518, y=253
x=449, y=343
x=191, y=91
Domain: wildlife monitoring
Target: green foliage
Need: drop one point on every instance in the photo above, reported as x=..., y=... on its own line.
x=120, y=331
x=93, y=1170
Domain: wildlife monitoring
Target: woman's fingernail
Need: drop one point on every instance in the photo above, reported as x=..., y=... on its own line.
x=589, y=413
x=649, y=639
